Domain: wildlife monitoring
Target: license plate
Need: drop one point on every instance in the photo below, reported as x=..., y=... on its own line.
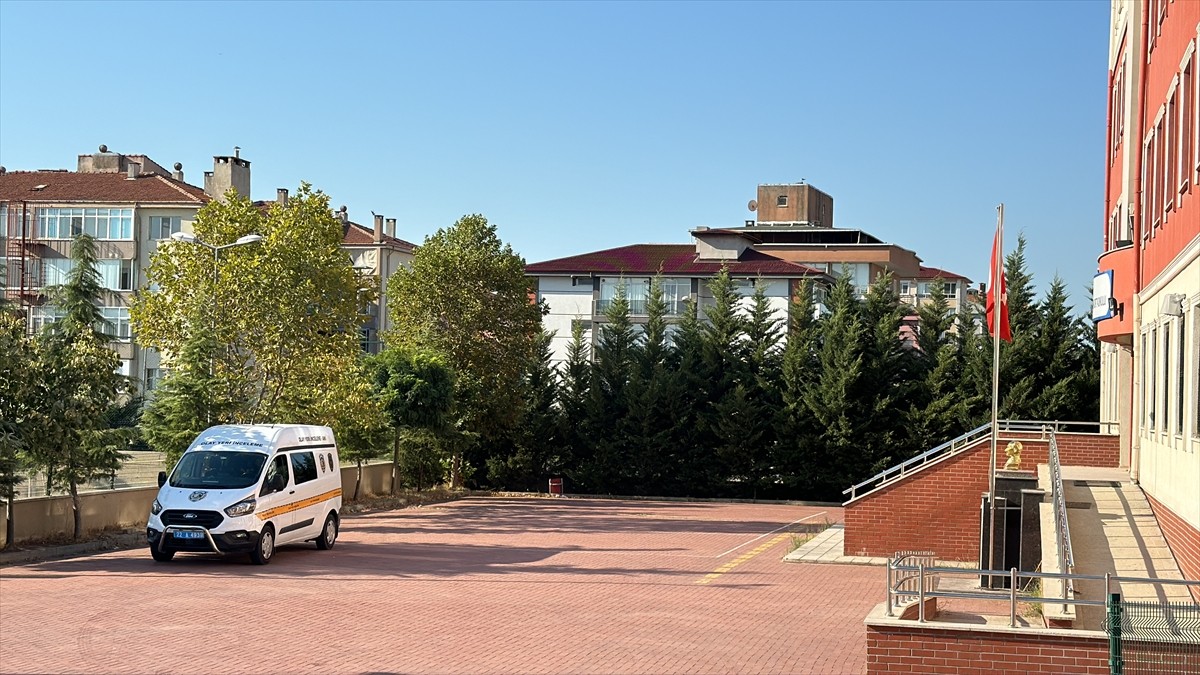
x=187, y=534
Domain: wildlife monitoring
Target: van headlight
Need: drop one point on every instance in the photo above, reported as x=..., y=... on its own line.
x=155, y=508
x=244, y=507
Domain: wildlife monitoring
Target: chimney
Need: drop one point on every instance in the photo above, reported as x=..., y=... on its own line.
x=177, y=174
x=390, y=227
x=343, y=215
x=281, y=196
x=378, y=229
x=134, y=169
x=228, y=172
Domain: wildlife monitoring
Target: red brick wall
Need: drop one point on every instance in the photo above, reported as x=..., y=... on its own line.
x=917, y=649
x=937, y=508
x=1183, y=538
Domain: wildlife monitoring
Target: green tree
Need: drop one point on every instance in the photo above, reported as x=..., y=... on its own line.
x=278, y=319
x=799, y=452
x=537, y=448
x=746, y=415
x=17, y=389
x=415, y=390
x=574, y=392
x=77, y=385
x=187, y=401
x=836, y=400
x=466, y=296
x=609, y=404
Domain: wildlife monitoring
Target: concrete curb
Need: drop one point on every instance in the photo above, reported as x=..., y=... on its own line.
x=118, y=542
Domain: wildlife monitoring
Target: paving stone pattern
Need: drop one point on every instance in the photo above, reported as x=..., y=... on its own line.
x=476, y=586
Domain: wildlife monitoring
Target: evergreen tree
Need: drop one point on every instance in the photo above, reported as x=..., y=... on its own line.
x=799, y=451
x=187, y=401
x=77, y=385
x=836, y=401
x=17, y=390
x=745, y=418
x=608, y=405
x=575, y=390
x=889, y=372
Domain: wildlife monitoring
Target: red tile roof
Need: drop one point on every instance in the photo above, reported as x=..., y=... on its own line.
x=934, y=272
x=109, y=188
x=353, y=234
x=359, y=235
x=671, y=260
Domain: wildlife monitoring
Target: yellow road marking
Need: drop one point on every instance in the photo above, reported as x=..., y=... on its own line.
x=716, y=574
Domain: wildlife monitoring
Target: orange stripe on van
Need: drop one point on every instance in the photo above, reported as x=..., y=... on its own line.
x=297, y=505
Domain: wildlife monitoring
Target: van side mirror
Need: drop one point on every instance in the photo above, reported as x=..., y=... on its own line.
x=162, y=478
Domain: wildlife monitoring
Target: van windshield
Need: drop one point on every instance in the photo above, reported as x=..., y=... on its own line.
x=218, y=469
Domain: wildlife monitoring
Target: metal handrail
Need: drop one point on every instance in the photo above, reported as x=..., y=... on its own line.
x=1062, y=526
x=1044, y=427
x=922, y=592
x=948, y=448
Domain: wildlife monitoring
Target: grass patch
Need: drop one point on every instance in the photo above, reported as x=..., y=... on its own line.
x=806, y=531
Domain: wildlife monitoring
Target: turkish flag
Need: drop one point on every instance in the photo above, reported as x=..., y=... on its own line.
x=997, y=293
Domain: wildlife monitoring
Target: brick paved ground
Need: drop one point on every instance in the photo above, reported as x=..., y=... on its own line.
x=476, y=586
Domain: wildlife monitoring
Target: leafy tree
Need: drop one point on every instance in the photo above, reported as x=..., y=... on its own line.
x=188, y=400
x=17, y=388
x=466, y=296
x=78, y=384
x=537, y=446
x=415, y=390
x=278, y=319
x=361, y=424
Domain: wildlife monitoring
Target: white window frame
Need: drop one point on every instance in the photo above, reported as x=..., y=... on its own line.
x=172, y=224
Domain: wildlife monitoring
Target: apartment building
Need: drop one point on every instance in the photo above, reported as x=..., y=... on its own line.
x=129, y=203
x=1146, y=301
x=791, y=241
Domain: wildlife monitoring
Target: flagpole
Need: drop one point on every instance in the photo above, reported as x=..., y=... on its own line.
x=997, y=270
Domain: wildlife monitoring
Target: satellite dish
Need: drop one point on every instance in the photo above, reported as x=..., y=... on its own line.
x=753, y=205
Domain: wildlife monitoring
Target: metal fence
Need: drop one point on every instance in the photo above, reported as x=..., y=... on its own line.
x=140, y=470
x=922, y=590
x=1152, y=637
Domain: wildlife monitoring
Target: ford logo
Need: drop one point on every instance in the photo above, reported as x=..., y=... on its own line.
x=198, y=495
x=189, y=516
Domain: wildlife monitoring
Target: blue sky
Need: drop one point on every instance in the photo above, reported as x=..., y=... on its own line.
x=582, y=126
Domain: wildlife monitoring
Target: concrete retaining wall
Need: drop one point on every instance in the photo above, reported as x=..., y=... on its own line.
x=43, y=517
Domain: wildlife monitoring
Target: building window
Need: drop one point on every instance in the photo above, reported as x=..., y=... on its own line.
x=1150, y=398
x=63, y=223
x=116, y=322
x=1165, y=387
x=162, y=227
x=906, y=287
x=676, y=293
x=1187, y=124
x=40, y=317
x=781, y=201
x=1196, y=371
x=116, y=275
x=636, y=291
x=1180, y=384
x=155, y=377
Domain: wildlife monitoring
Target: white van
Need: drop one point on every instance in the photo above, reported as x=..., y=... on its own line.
x=248, y=489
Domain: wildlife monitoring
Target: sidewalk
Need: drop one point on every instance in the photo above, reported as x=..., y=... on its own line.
x=1113, y=530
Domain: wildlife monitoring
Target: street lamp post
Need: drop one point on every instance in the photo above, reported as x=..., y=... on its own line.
x=189, y=238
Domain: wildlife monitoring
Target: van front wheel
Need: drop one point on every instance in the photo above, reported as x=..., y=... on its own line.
x=264, y=548
x=161, y=556
x=328, y=533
